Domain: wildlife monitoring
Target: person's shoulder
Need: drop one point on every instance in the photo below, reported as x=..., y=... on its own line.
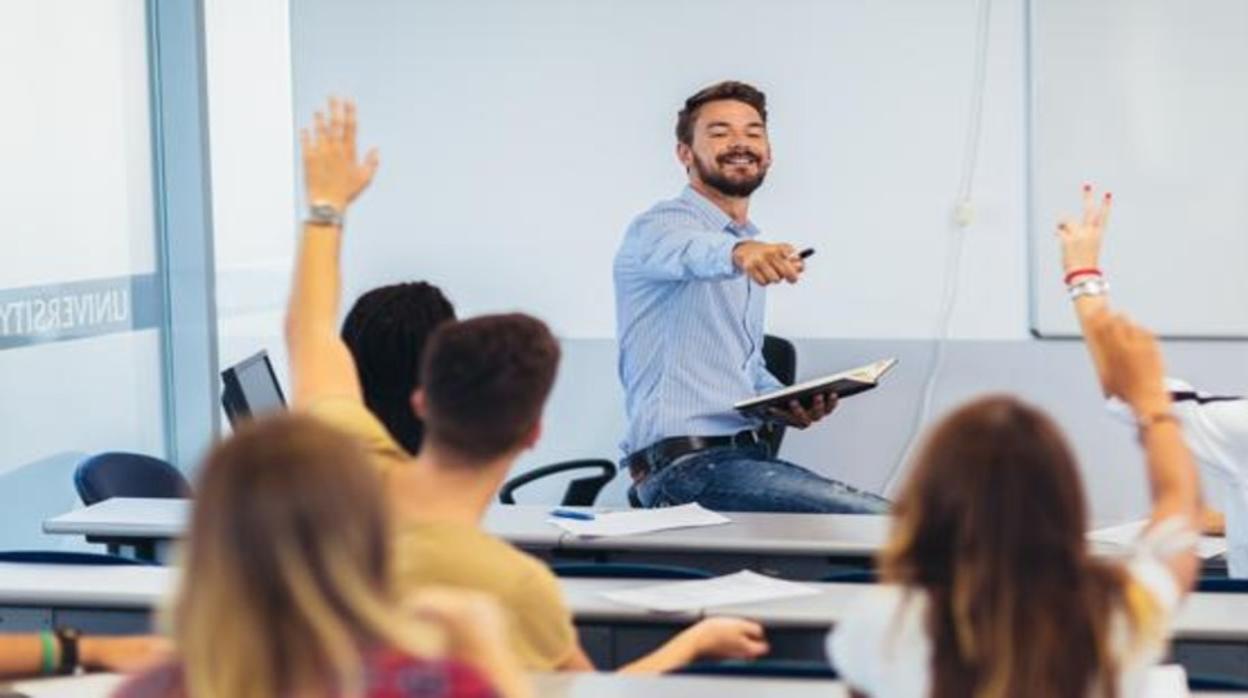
x=668, y=212
x=351, y=416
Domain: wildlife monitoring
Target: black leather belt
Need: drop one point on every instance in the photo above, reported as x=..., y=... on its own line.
x=659, y=454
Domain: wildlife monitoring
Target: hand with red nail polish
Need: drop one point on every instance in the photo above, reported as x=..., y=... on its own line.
x=1081, y=240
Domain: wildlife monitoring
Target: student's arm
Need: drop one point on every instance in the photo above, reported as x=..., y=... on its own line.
x=320, y=363
x=22, y=655
x=716, y=638
x=1081, y=250
x=1134, y=373
x=721, y=638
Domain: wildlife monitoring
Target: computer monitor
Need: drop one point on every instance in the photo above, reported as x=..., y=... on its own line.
x=251, y=389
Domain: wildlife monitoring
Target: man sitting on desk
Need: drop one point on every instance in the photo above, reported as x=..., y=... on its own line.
x=690, y=279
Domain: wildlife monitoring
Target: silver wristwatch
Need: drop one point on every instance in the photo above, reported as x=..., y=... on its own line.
x=1095, y=286
x=324, y=214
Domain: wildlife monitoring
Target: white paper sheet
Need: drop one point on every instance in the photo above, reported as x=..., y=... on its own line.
x=1168, y=681
x=695, y=595
x=628, y=523
x=1125, y=535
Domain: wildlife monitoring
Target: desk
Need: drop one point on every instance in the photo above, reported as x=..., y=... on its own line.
x=795, y=546
x=122, y=599
x=88, y=686
x=1210, y=630
x=569, y=685
x=93, y=598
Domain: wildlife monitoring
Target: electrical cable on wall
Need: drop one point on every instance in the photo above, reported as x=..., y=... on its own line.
x=960, y=220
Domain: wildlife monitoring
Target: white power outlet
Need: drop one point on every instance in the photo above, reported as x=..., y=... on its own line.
x=964, y=214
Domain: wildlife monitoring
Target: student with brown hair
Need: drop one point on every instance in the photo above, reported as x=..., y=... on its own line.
x=484, y=384
x=990, y=590
x=286, y=587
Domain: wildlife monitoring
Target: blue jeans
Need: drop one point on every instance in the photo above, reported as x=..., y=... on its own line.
x=732, y=478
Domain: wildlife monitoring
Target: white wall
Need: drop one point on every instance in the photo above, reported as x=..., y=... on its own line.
x=253, y=172
x=518, y=139
x=869, y=111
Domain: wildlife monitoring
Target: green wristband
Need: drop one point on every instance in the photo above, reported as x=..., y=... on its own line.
x=48, y=640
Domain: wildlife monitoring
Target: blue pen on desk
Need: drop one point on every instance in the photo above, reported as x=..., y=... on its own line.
x=569, y=514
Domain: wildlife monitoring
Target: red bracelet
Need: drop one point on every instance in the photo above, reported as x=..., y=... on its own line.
x=1090, y=271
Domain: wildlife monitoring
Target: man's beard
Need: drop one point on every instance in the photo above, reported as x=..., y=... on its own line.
x=738, y=188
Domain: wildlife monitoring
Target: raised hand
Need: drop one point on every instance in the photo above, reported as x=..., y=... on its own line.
x=768, y=263
x=1081, y=240
x=332, y=173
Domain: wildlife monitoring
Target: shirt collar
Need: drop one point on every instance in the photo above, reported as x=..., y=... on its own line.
x=715, y=215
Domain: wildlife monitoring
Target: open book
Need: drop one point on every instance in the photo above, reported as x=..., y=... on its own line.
x=844, y=384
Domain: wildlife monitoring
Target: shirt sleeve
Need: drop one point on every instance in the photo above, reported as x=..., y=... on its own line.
x=1217, y=431
x=855, y=645
x=670, y=246
x=353, y=418
x=1152, y=592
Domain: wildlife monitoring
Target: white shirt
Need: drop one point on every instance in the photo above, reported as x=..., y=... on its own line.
x=882, y=647
x=1217, y=433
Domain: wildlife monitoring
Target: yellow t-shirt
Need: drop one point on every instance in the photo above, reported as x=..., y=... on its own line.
x=457, y=555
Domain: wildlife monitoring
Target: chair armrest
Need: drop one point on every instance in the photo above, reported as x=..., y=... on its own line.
x=579, y=489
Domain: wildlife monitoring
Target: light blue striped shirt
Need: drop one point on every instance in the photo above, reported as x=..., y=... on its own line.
x=689, y=323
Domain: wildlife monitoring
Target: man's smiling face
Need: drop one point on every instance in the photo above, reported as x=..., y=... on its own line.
x=730, y=151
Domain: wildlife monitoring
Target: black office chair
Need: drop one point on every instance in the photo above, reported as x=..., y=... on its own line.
x=118, y=474
x=781, y=360
x=581, y=492
x=780, y=357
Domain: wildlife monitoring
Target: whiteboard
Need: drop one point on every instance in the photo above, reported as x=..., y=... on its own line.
x=1148, y=98
x=518, y=139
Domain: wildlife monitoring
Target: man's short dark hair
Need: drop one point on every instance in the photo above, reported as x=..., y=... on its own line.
x=387, y=330
x=486, y=381
x=729, y=89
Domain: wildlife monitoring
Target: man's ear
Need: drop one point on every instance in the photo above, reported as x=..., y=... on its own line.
x=685, y=154
x=419, y=406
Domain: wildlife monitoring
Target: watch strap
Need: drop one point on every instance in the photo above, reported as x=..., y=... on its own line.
x=67, y=638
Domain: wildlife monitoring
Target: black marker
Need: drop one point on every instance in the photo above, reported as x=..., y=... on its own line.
x=806, y=253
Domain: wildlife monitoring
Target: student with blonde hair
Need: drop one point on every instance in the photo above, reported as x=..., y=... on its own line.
x=990, y=590
x=286, y=586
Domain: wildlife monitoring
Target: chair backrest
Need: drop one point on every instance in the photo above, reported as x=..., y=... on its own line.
x=117, y=474
x=780, y=358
